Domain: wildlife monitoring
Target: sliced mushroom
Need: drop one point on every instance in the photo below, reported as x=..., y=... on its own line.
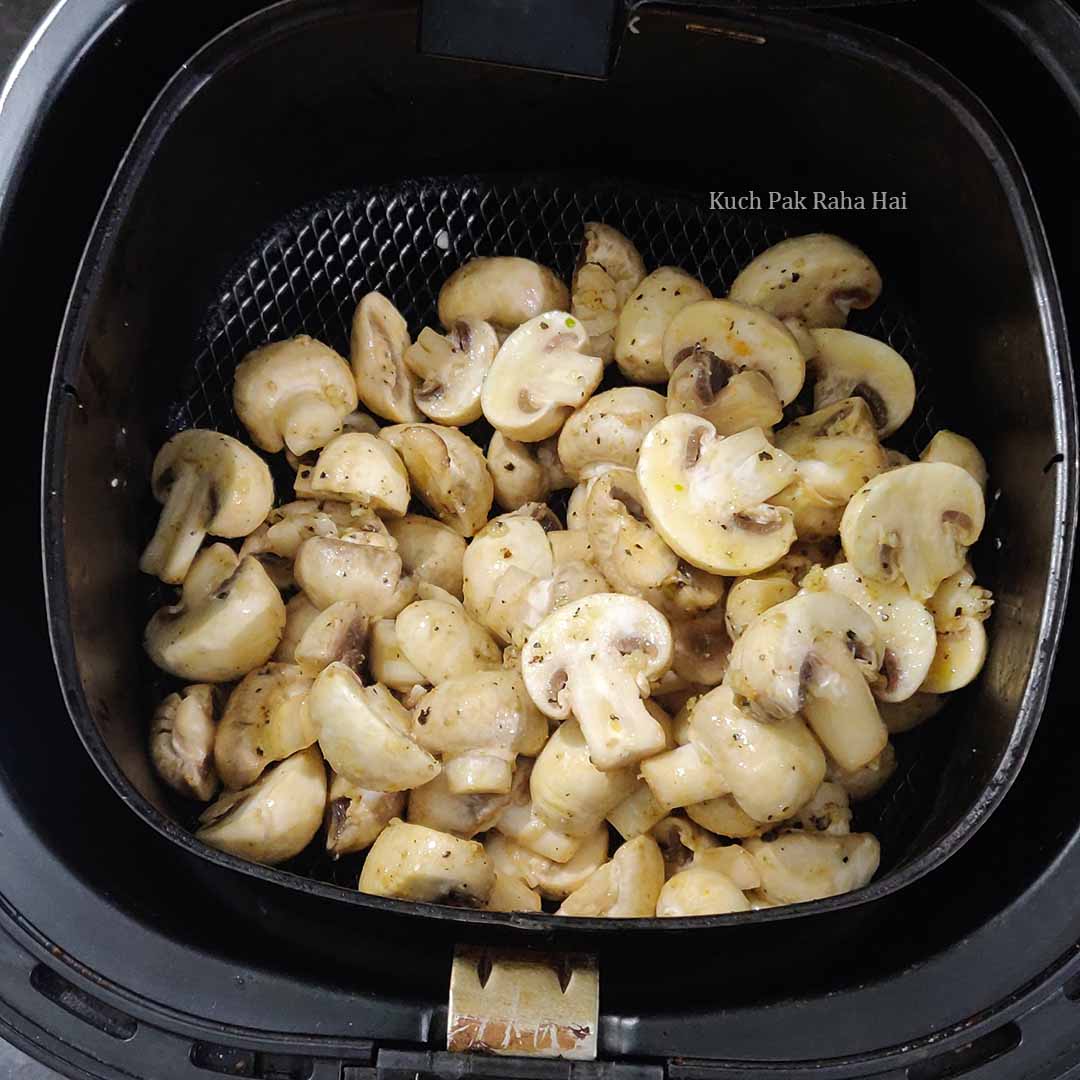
x=748, y=597
x=554, y=881
x=864, y=782
x=575, y=505
x=706, y=495
x=447, y=471
x=609, y=269
x=229, y=620
x=331, y=570
x=339, y=632
x=182, y=742
x=828, y=811
x=959, y=658
x=430, y=551
x=274, y=819
x=627, y=887
x=380, y=337
x=451, y=370
x=411, y=862
x=700, y=889
x=442, y=641
x=504, y=290
x=362, y=469
x=905, y=715
x=208, y=483
x=958, y=599
x=680, y=841
x=521, y=823
x=293, y=394
x=387, y=663
x=801, y=866
x=853, y=365
x=725, y=817
x=510, y=893
x=701, y=647
x=704, y=385
x=639, y=333
x=913, y=525
x=287, y=527
x=355, y=816
x=607, y=430
x=817, y=278
x=957, y=450
x=524, y=472
x=595, y=658
x=364, y=733
x=540, y=375
x=436, y=806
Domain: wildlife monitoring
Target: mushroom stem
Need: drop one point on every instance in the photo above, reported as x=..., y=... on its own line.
x=181, y=528
x=469, y=774
x=304, y=419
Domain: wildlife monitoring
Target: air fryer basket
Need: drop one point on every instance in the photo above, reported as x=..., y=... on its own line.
x=190, y=266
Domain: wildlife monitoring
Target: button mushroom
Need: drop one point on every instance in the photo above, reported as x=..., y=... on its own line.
x=380, y=338
x=685, y=775
x=959, y=608
x=229, y=620
x=725, y=817
x=595, y=658
x=627, y=887
x=365, y=734
x=680, y=841
x=339, y=632
x=748, y=597
x=512, y=894
x=609, y=269
x=524, y=472
x=554, y=880
x=607, y=430
x=700, y=889
x=355, y=816
x=540, y=375
x=442, y=641
x=701, y=647
x=957, y=450
x=706, y=495
x=274, y=819
x=386, y=661
x=208, y=483
x=362, y=469
x=639, y=334
x=828, y=811
x=704, y=385
x=435, y=806
x=503, y=290
x=182, y=742
x=521, y=823
x=798, y=866
x=293, y=394
x=430, y=551
x=913, y=525
x=867, y=780
x=331, y=570
x=451, y=370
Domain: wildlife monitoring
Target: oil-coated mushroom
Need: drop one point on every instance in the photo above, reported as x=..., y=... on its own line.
x=521, y=823
x=430, y=551
x=510, y=893
x=828, y=811
x=553, y=880
x=607, y=430
x=387, y=663
x=701, y=647
x=380, y=337
x=339, y=632
x=505, y=291
x=524, y=472
x=748, y=597
x=451, y=368
x=442, y=641
x=957, y=450
x=700, y=889
x=725, y=817
x=626, y=887
x=436, y=806
x=331, y=570
x=355, y=816
x=680, y=841
x=609, y=268
x=182, y=742
x=800, y=866
x=362, y=469
x=704, y=385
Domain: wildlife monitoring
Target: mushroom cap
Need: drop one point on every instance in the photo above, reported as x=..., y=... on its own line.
x=748, y=597
x=555, y=881
x=958, y=659
x=957, y=450
x=436, y=806
x=331, y=570
x=520, y=822
x=182, y=742
x=379, y=339
x=725, y=817
x=386, y=662
x=957, y=599
x=700, y=890
x=608, y=429
x=274, y=819
x=442, y=641
x=799, y=866
x=913, y=524
x=504, y=290
x=524, y=472
x=828, y=811
x=704, y=385
x=362, y=469
x=817, y=278
x=609, y=268
x=451, y=370
x=706, y=494
x=293, y=393
x=430, y=551
x=512, y=894
x=627, y=887
x=539, y=376
x=355, y=816
x=609, y=249
x=339, y=632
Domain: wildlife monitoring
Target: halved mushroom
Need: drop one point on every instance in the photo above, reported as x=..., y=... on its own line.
x=430, y=551
x=680, y=841
x=725, y=817
x=701, y=647
x=182, y=742
x=451, y=370
x=380, y=337
x=447, y=471
x=957, y=450
x=437, y=806
x=287, y=527
x=800, y=866
x=958, y=660
x=504, y=290
x=364, y=733
x=905, y=715
x=866, y=781
x=362, y=469
x=293, y=393
x=208, y=483
x=595, y=658
x=411, y=862
x=339, y=632
x=609, y=268
x=706, y=494
x=958, y=599
x=627, y=887
x=266, y=719
x=478, y=724
x=522, y=824
x=700, y=889
x=355, y=816
x=442, y=641
x=607, y=430
x=524, y=472
x=229, y=620
x=748, y=597
x=331, y=570
x=510, y=893
x=386, y=661
x=812, y=656
x=704, y=385
x=913, y=525
x=637, y=813
x=685, y=775
x=639, y=333
x=554, y=880
x=274, y=819
x=540, y=375
x=575, y=505
x=853, y=365
x=828, y=811
x=817, y=278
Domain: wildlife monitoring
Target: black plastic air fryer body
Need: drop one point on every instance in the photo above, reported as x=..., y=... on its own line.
x=126, y=953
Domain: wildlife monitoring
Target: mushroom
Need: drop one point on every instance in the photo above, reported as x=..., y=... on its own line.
x=704, y=385
x=229, y=620
x=725, y=817
x=287, y=527
x=866, y=781
x=701, y=647
x=828, y=811
x=554, y=880
x=208, y=483
x=436, y=806
x=608, y=429
x=447, y=471
x=380, y=337
x=595, y=658
x=804, y=555
x=680, y=841
x=442, y=641
x=801, y=866
x=521, y=823
x=293, y=394
x=265, y=720
x=575, y=505
x=959, y=599
x=510, y=893
x=430, y=551
x=540, y=375
x=902, y=716
x=913, y=525
x=627, y=887
x=639, y=333
x=182, y=742
x=339, y=632
x=817, y=279
x=959, y=658
x=274, y=819
x=362, y=469
x=355, y=816
x=524, y=472
x=505, y=291
x=478, y=724
x=685, y=775
x=748, y=597
x=700, y=889
x=812, y=656
x=706, y=494
x=637, y=813
x=411, y=862
x=957, y=450
x=365, y=734
x=331, y=570
x=451, y=370
x=518, y=539
x=609, y=269
x=387, y=663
